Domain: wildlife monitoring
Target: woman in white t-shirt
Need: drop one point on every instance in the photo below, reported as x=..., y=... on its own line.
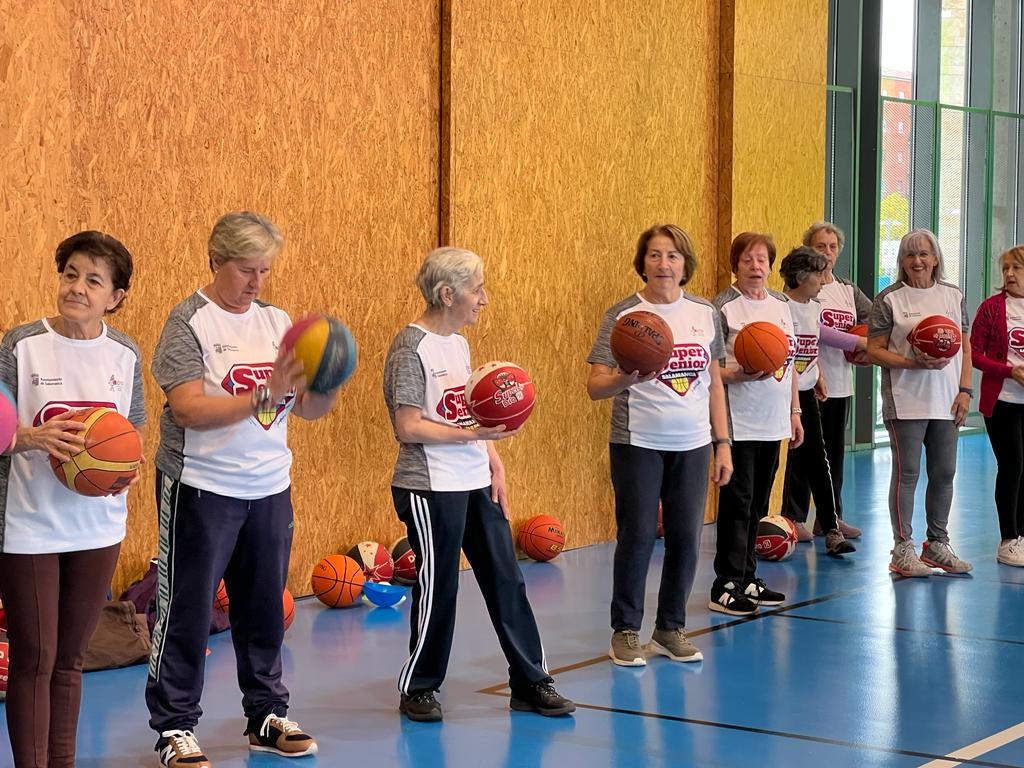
x=843, y=305
x=224, y=493
x=448, y=488
x=924, y=401
x=663, y=427
x=764, y=410
x=58, y=549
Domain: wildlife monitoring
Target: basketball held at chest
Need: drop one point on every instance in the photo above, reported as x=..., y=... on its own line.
x=641, y=341
x=110, y=458
x=761, y=347
x=936, y=336
x=500, y=393
x=325, y=348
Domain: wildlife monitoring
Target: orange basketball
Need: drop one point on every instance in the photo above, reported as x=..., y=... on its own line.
x=855, y=357
x=541, y=537
x=110, y=458
x=337, y=581
x=289, y=608
x=641, y=341
x=761, y=347
x=220, y=600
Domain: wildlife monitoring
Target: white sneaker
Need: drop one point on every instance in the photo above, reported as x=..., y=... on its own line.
x=905, y=561
x=1011, y=552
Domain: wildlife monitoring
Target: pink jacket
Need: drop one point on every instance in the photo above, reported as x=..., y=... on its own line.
x=989, y=346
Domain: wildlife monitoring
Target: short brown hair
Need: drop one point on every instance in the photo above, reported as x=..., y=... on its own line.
x=744, y=241
x=101, y=247
x=679, y=239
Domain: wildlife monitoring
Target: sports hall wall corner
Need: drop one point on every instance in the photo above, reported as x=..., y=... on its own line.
x=545, y=135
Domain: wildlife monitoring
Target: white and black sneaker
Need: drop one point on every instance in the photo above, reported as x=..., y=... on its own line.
x=757, y=591
x=729, y=599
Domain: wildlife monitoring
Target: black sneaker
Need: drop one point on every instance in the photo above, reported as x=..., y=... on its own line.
x=729, y=599
x=422, y=706
x=543, y=699
x=757, y=592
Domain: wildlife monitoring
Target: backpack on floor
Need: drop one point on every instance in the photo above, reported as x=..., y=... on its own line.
x=142, y=594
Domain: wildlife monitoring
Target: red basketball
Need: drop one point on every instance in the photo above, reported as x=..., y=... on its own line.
x=856, y=357
x=220, y=600
x=405, y=562
x=761, y=347
x=376, y=561
x=4, y=667
x=937, y=336
x=776, y=538
x=641, y=341
x=337, y=581
x=288, y=602
x=500, y=393
x=110, y=458
x=541, y=537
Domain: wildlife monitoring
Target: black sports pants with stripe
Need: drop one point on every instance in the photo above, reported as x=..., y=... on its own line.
x=439, y=524
x=203, y=536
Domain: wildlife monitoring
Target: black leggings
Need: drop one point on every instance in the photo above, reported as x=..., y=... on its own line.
x=808, y=471
x=1006, y=433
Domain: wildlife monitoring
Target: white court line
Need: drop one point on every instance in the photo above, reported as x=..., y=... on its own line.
x=978, y=748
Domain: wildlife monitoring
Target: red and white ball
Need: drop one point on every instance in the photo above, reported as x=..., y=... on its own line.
x=4, y=667
x=937, y=336
x=405, y=562
x=500, y=393
x=374, y=559
x=776, y=538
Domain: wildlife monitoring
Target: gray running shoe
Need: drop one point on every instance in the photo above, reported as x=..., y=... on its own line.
x=939, y=554
x=626, y=650
x=674, y=644
x=905, y=561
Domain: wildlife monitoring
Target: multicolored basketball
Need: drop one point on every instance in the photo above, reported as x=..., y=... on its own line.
x=541, y=537
x=937, y=336
x=110, y=459
x=337, y=581
x=405, y=562
x=383, y=595
x=326, y=349
x=761, y=347
x=776, y=538
x=857, y=357
x=641, y=341
x=8, y=418
x=376, y=561
x=500, y=393
x=288, y=602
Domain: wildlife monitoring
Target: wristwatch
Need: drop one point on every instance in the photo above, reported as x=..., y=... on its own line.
x=796, y=411
x=967, y=391
x=722, y=441
x=260, y=398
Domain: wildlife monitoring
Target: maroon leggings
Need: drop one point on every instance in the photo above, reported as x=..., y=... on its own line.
x=53, y=602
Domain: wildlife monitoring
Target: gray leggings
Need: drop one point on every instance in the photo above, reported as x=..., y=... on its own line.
x=939, y=438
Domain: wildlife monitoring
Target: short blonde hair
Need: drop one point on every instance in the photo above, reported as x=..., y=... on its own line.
x=828, y=226
x=447, y=266
x=911, y=237
x=243, y=235
x=1016, y=253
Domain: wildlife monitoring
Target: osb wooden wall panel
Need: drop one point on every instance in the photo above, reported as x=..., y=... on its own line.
x=150, y=120
x=777, y=124
x=574, y=126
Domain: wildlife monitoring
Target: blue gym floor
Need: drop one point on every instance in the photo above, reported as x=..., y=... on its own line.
x=858, y=668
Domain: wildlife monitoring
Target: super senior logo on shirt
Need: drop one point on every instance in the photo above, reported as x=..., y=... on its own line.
x=452, y=407
x=245, y=377
x=688, y=361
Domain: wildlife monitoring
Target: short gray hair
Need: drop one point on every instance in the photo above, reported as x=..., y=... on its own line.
x=828, y=226
x=243, y=235
x=909, y=238
x=447, y=266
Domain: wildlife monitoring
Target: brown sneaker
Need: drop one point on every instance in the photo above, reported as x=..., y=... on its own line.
x=281, y=736
x=848, y=531
x=802, y=534
x=182, y=750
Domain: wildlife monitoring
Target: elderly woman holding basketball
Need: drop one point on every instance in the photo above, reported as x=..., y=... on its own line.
x=764, y=410
x=224, y=492
x=58, y=549
x=663, y=427
x=924, y=401
x=448, y=489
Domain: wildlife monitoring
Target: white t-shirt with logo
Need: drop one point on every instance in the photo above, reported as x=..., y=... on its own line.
x=50, y=374
x=1013, y=392
x=671, y=412
x=429, y=371
x=838, y=301
x=917, y=393
x=759, y=410
x=231, y=354
x=805, y=358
